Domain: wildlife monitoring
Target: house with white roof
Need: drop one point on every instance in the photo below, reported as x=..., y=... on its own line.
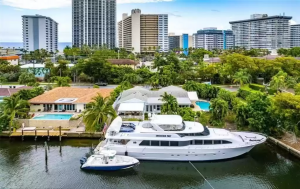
x=133, y=103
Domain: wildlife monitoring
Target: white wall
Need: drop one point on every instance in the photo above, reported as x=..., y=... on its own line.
x=42, y=33
x=136, y=31
x=80, y=107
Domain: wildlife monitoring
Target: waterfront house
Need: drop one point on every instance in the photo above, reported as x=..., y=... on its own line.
x=66, y=99
x=135, y=102
x=12, y=60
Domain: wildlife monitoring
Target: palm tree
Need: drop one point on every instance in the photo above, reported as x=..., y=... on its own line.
x=14, y=107
x=170, y=105
x=97, y=113
x=219, y=109
x=242, y=77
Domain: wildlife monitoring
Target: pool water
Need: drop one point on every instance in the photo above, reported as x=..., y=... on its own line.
x=53, y=117
x=203, y=105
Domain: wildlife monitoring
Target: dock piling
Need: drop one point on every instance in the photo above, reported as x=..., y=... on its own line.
x=46, y=153
x=48, y=135
x=35, y=133
x=22, y=135
x=59, y=133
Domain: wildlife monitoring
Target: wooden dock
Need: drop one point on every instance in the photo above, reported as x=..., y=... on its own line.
x=51, y=134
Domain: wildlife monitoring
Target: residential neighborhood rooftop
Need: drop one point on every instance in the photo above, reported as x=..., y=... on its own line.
x=123, y=62
x=6, y=92
x=79, y=95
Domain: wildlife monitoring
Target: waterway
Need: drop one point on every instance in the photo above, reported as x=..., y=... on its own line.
x=23, y=165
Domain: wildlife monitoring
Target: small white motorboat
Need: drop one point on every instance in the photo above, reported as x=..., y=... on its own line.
x=107, y=160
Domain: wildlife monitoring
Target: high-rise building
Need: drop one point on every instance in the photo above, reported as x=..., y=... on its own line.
x=174, y=41
x=94, y=23
x=143, y=32
x=262, y=31
x=212, y=38
x=295, y=35
x=39, y=32
x=183, y=41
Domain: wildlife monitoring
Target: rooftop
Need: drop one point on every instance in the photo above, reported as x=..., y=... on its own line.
x=64, y=94
x=10, y=91
x=122, y=62
x=9, y=57
x=263, y=18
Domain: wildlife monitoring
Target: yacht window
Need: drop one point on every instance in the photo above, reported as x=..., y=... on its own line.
x=174, y=143
x=191, y=142
x=207, y=142
x=164, y=143
x=145, y=143
x=217, y=142
x=198, y=142
x=154, y=143
x=226, y=142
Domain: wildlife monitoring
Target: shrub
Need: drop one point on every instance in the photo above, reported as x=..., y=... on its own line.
x=96, y=87
x=257, y=87
x=245, y=91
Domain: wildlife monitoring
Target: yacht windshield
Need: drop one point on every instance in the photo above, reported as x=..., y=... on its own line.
x=173, y=127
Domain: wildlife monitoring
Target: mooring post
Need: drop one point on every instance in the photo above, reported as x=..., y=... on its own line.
x=59, y=133
x=22, y=135
x=46, y=155
x=35, y=133
x=48, y=135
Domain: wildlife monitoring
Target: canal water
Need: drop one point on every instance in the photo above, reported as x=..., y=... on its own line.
x=23, y=165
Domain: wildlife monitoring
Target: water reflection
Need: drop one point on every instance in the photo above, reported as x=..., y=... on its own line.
x=24, y=163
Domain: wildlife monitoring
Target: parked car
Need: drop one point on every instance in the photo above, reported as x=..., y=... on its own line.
x=101, y=83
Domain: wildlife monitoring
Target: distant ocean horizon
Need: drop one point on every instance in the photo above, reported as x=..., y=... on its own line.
x=61, y=45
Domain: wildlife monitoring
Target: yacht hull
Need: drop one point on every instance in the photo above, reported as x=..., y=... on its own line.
x=183, y=154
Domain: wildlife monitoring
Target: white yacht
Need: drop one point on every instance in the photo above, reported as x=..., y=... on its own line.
x=169, y=138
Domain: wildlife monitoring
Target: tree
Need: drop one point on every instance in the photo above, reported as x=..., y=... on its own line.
x=286, y=110
x=131, y=78
x=27, y=78
x=190, y=86
x=242, y=77
x=2, y=80
x=297, y=89
x=219, y=109
x=15, y=107
x=278, y=81
x=187, y=114
x=170, y=104
x=97, y=113
x=61, y=81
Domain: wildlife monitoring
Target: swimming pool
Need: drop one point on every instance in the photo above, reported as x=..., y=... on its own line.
x=53, y=117
x=203, y=105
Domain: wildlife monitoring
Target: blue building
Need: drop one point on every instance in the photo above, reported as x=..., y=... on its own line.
x=183, y=41
x=212, y=38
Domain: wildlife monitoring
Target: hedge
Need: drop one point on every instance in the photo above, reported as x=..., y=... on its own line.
x=244, y=92
x=257, y=87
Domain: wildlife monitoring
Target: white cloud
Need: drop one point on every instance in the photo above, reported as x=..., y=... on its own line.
x=48, y=4
x=293, y=22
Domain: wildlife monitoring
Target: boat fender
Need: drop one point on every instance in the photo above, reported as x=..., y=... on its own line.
x=83, y=160
x=126, y=153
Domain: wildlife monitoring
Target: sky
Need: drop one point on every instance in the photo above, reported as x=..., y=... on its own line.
x=185, y=16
